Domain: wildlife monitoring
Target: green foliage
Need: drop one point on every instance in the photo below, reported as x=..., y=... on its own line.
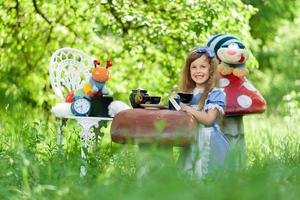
x=146, y=40
x=30, y=32
x=280, y=58
x=270, y=17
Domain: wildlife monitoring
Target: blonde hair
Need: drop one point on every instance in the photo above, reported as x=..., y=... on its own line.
x=187, y=83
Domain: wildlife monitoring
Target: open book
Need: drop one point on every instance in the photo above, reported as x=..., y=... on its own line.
x=174, y=103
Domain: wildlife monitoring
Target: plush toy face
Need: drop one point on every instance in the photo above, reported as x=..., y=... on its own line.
x=233, y=53
x=100, y=74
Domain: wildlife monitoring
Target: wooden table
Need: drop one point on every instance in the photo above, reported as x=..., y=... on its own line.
x=145, y=126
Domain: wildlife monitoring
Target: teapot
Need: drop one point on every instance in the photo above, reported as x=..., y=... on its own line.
x=137, y=97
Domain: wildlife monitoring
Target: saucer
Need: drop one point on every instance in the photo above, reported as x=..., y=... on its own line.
x=153, y=106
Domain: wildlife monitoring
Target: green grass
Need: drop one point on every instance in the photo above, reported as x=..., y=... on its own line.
x=33, y=167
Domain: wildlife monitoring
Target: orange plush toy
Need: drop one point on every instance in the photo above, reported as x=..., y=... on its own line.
x=96, y=84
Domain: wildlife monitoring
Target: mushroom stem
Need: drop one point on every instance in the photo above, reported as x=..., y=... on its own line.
x=233, y=125
x=233, y=129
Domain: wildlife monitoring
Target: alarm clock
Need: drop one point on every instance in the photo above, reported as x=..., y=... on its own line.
x=81, y=106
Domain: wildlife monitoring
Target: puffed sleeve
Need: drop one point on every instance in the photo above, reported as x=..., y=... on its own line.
x=215, y=99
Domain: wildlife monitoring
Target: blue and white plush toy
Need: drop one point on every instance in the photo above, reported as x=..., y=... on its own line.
x=231, y=52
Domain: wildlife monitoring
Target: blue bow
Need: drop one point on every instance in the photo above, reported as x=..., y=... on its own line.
x=208, y=52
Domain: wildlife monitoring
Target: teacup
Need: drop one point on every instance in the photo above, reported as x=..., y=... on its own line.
x=185, y=97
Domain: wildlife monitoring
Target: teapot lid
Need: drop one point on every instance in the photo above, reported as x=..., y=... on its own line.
x=142, y=90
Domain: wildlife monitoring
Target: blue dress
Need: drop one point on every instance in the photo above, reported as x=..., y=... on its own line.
x=211, y=146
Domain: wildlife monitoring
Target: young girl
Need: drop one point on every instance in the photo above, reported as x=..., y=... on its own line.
x=199, y=77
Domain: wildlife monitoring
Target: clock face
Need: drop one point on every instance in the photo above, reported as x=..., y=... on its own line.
x=82, y=106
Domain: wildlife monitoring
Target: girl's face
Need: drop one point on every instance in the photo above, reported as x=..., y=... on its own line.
x=199, y=71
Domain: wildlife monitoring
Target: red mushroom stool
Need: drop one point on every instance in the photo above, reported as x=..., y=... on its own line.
x=241, y=96
x=145, y=126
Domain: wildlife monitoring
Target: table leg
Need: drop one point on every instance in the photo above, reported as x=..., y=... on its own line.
x=98, y=133
x=87, y=138
x=60, y=134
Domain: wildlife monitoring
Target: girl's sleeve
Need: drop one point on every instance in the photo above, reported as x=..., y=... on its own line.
x=216, y=99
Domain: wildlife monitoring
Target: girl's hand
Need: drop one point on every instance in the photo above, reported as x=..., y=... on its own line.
x=206, y=118
x=186, y=108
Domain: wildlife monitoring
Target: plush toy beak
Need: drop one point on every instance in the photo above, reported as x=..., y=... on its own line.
x=242, y=59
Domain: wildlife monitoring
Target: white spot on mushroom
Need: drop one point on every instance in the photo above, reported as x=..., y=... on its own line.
x=249, y=86
x=224, y=82
x=244, y=101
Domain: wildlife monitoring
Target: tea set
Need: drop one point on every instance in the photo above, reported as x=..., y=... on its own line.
x=139, y=98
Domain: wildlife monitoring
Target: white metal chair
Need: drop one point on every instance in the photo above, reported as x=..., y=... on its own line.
x=69, y=69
